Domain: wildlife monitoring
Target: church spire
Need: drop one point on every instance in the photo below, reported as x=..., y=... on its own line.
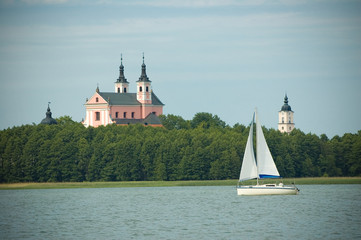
x=121, y=72
x=285, y=106
x=286, y=99
x=143, y=77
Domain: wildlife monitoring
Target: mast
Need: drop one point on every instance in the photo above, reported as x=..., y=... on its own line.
x=256, y=117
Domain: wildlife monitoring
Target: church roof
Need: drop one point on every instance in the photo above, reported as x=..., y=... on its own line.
x=151, y=119
x=285, y=106
x=48, y=119
x=126, y=98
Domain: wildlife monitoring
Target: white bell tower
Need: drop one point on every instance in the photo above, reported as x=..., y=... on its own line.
x=144, y=87
x=285, y=118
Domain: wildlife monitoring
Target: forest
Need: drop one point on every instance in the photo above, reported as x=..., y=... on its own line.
x=202, y=148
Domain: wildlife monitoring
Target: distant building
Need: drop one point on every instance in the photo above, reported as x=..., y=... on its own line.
x=285, y=118
x=48, y=119
x=121, y=107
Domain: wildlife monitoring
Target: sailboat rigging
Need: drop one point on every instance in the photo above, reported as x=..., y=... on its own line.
x=261, y=167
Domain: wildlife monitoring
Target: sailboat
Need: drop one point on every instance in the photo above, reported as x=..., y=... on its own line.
x=261, y=168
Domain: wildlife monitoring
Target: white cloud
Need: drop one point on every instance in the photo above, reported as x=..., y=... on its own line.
x=40, y=2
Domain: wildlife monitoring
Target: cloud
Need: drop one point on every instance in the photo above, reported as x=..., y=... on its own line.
x=196, y=3
x=44, y=2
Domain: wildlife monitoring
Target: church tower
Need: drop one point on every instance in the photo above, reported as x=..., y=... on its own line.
x=285, y=118
x=144, y=91
x=121, y=85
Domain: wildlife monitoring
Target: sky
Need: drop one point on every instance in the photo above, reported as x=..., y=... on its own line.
x=223, y=57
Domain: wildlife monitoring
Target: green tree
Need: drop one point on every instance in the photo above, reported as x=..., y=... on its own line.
x=171, y=122
x=206, y=120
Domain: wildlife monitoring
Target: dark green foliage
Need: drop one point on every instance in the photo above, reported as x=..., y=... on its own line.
x=198, y=149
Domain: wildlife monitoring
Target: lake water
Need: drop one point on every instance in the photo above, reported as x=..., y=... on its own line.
x=318, y=212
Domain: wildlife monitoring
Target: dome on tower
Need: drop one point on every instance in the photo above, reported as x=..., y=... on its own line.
x=285, y=106
x=48, y=119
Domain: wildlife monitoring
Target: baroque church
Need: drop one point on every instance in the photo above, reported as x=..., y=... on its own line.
x=285, y=118
x=123, y=108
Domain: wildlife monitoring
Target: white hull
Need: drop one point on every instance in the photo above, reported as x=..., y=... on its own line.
x=267, y=189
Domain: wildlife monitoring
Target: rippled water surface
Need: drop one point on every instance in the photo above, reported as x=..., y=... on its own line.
x=318, y=212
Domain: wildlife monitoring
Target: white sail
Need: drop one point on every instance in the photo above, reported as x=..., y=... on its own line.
x=249, y=167
x=266, y=166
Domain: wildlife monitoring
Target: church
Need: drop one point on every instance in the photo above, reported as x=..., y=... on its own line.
x=123, y=108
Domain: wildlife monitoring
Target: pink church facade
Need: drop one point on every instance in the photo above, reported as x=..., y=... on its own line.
x=123, y=108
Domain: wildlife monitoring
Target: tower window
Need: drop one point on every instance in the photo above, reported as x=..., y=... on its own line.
x=125, y=90
x=289, y=120
x=116, y=114
x=118, y=90
x=97, y=116
x=96, y=99
x=140, y=89
x=283, y=120
x=124, y=114
x=147, y=89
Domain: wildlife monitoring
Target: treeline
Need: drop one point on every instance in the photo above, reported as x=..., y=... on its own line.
x=198, y=149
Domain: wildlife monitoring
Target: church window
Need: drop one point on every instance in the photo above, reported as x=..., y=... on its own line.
x=283, y=120
x=118, y=90
x=125, y=115
x=289, y=120
x=290, y=128
x=125, y=89
x=97, y=116
x=133, y=114
x=283, y=128
x=140, y=89
x=147, y=89
x=96, y=99
x=116, y=115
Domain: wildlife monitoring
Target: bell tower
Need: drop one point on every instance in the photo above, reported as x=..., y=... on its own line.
x=121, y=85
x=285, y=118
x=144, y=91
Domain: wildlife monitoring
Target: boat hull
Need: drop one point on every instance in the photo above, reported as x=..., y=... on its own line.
x=266, y=190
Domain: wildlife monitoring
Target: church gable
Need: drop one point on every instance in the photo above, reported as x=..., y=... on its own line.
x=97, y=99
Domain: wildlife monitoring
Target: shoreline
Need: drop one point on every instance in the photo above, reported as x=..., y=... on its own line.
x=232, y=182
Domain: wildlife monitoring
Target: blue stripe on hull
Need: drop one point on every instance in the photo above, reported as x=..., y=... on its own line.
x=268, y=176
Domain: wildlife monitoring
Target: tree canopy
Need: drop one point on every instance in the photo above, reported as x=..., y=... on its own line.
x=198, y=149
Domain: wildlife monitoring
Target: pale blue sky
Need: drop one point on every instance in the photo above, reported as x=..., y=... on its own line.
x=224, y=57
